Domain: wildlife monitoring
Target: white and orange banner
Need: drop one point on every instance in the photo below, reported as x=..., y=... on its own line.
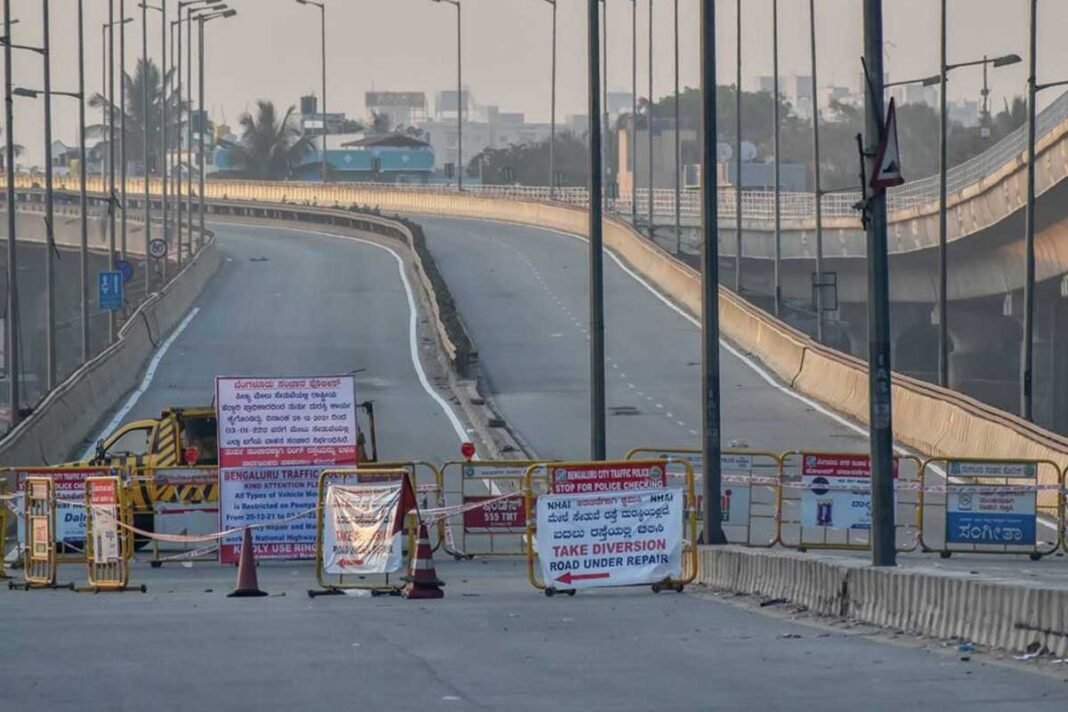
x=363, y=528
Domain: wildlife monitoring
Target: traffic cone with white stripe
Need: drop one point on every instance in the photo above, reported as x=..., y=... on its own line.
x=422, y=578
x=248, y=586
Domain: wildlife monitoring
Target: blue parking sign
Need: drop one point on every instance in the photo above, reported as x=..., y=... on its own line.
x=109, y=290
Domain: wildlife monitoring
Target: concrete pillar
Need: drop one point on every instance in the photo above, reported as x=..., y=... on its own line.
x=984, y=360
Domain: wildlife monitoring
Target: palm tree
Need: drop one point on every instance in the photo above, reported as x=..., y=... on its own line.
x=269, y=147
x=146, y=78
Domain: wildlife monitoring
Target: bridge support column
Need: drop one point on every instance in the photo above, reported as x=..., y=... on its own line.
x=984, y=359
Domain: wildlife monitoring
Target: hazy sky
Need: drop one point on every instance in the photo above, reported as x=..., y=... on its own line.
x=271, y=49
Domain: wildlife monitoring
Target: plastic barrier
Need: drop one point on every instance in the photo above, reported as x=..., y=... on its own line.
x=379, y=585
x=499, y=528
x=750, y=490
x=108, y=546
x=825, y=501
x=550, y=481
x=992, y=506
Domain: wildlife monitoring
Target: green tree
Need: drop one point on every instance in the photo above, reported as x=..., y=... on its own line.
x=145, y=79
x=528, y=164
x=270, y=146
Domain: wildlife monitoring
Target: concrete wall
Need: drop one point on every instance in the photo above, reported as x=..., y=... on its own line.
x=932, y=602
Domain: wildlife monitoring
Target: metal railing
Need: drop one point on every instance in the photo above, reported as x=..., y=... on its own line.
x=760, y=205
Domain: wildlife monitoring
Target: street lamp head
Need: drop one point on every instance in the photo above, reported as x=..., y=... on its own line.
x=1006, y=60
x=24, y=92
x=932, y=80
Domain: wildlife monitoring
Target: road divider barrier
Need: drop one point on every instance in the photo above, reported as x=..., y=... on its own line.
x=615, y=523
x=993, y=506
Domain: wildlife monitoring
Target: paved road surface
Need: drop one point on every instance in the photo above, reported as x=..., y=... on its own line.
x=493, y=643
x=522, y=293
x=290, y=303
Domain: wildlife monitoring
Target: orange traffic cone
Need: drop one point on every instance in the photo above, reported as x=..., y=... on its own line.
x=247, y=584
x=422, y=578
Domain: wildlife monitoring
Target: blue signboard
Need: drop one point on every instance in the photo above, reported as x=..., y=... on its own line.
x=990, y=515
x=109, y=290
x=125, y=269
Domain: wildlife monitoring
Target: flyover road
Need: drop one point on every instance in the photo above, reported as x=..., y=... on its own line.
x=522, y=294
x=288, y=302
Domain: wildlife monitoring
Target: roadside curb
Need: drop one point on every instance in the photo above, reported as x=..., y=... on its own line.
x=988, y=610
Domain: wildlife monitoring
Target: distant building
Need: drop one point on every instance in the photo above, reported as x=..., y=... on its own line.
x=400, y=108
x=494, y=129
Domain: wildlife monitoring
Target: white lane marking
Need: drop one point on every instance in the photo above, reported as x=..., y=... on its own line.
x=146, y=382
x=413, y=337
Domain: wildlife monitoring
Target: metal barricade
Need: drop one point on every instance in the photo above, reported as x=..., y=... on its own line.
x=749, y=491
x=531, y=489
x=494, y=530
x=341, y=583
x=39, y=518
x=992, y=506
x=108, y=540
x=69, y=517
x=825, y=501
x=428, y=484
x=181, y=500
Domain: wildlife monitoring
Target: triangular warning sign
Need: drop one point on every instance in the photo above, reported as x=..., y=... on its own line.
x=887, y=171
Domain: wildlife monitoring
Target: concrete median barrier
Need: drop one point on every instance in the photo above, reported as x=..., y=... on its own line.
x=995, y=612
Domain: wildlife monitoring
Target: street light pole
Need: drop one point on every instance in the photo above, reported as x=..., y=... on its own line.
x=608, y=182
x=678, y=144
x=883, y=544
x=322, y=48
x=189, y=132
x=943, y=177
x=649, y=120
x=596, y=276
x=552, y=113
x=50, y=240
x=459, y=95
x=778, y=158
x=817, y=172
x=83, y=187
x=122, y=126
x=738, y=157
x=144, y=131
x=111, y=157
x=710, y=391
x=1027, y=357
x=633, y=147
x=163, y=98
x=12, y=268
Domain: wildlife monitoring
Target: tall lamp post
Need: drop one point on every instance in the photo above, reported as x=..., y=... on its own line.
x=552, y=112
x=322, y=46
x=678, y=144
x=816, y=172
x=144, y=136
x=112, y=199
x=201, y=19
x=710, y=390
x=649, y=120
x=777, y=280
x=162, y=10
x=459, y=94
x=1033, y=88
x=596, y=257
x=12, y=253
x=738, y=156
x=193, y=7
x=632, y=148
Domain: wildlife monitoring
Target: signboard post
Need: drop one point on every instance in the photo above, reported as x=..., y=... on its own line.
x=110, y=291
x=275, y=436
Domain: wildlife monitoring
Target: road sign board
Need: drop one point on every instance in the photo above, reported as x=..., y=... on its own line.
x=109, y=290
x=157, y=249
x=125, y=269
